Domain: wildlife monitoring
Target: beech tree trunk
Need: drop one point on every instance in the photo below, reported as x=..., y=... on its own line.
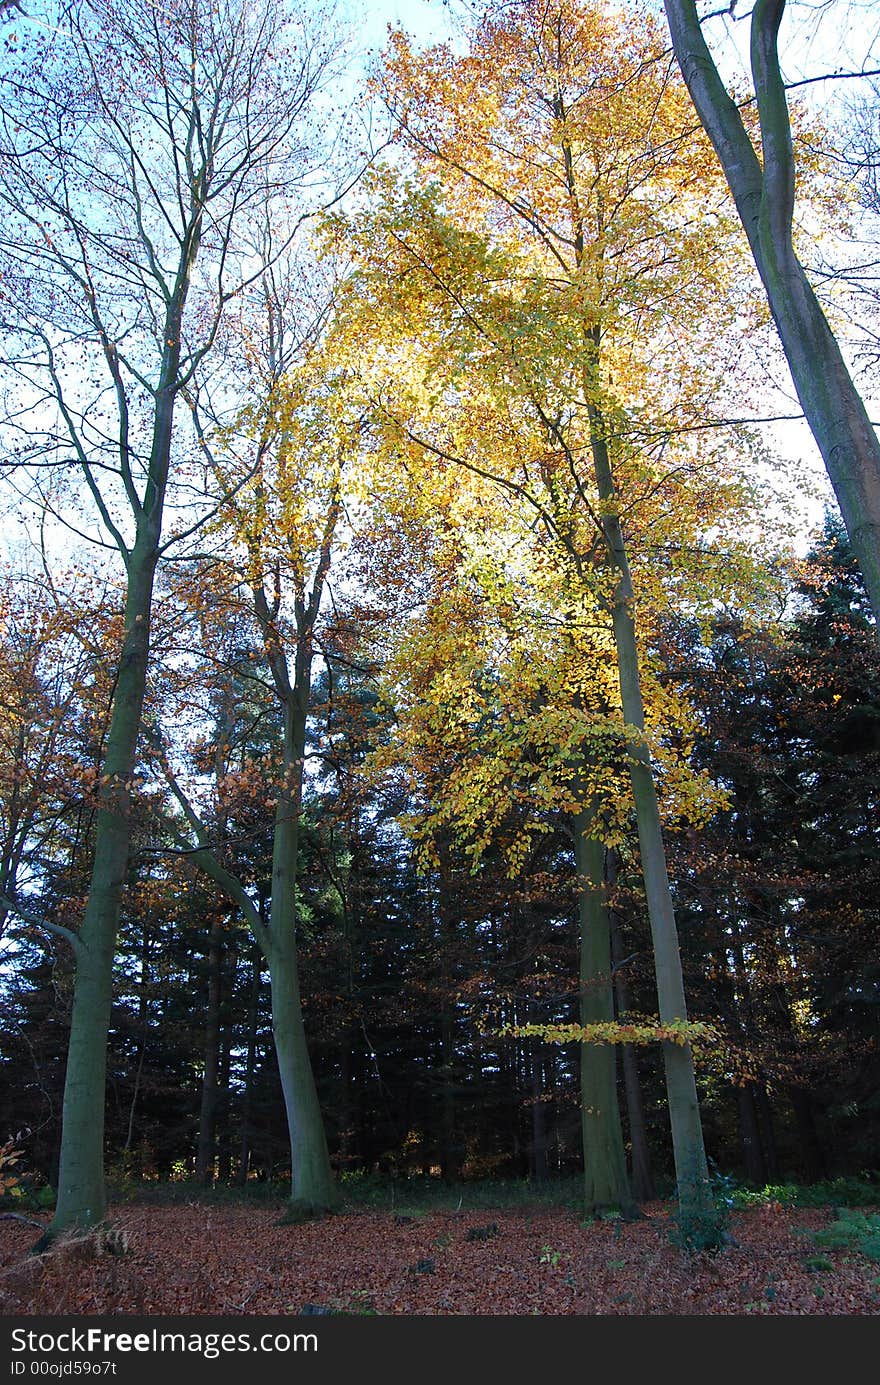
x=691, y=1170
x=82, y=1199
x=313, y=1188
x=764, y=192
x=210, y=1081
x=81, y=1188
x=605, y=1178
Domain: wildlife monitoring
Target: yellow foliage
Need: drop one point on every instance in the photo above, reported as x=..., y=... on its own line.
x=551, y=265
x=680, y=1032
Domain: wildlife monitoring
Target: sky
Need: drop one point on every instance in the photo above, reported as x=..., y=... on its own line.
x=427, y=20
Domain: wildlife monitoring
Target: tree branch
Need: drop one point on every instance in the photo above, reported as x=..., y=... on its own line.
x=37, y=921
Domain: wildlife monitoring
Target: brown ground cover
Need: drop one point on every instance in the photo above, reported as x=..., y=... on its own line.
x=200, y=1259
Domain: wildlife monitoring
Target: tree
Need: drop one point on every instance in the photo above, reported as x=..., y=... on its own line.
x=762, y=183
x=281, y=520
x=136, y=144
x=558, y=252
x=508, y=719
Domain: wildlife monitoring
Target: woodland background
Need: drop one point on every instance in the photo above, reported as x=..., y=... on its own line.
x=362, y=443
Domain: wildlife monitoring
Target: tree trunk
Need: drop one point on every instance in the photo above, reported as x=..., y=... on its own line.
x=764, y=193
x=210, y=1089
x=691, y=1170
x=312, y=1186
x=313, y=1190
x=82, y=1198
x=605, y=1177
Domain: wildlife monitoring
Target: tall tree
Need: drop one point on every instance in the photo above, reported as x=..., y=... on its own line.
x=281, y=529
x=762, y=181
x=135, y=144
x=561, y=258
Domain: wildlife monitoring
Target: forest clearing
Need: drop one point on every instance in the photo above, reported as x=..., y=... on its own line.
x=439, y=665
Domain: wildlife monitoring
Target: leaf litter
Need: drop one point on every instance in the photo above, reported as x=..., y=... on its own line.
x=191, y=1260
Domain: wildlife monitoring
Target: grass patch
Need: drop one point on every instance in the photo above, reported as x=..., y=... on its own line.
x=834, y=1192
x=853, y=1231
x=185, y=1191
x=421, y=1194
x=409, y=1197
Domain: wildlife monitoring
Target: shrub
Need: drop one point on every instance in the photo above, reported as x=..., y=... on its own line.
x=858, y=1231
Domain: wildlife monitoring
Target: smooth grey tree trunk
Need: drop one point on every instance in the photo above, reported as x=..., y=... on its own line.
x=696, y=1204
x=606, y=1184
x=313, y=1187
x=642, y=1177
x=206, y=1148
x=764, y=193
x=81, y=1198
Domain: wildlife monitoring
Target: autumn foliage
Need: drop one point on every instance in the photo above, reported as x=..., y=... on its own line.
x=462, y=766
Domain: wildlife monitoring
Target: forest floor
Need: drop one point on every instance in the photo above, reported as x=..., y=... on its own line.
x=203, y=1259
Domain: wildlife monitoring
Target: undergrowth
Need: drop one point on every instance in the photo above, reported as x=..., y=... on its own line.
x=836, y=1192
x=852, y=1231
x=426, y=1194
x=364, y=1191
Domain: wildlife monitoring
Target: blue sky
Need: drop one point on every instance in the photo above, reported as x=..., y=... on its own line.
x=427, y=20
